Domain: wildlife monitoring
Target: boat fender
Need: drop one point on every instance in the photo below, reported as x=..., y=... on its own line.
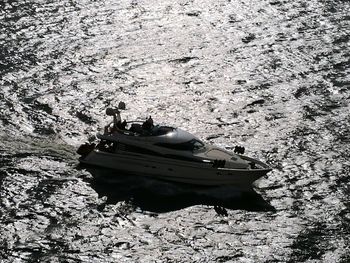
x=239, y=149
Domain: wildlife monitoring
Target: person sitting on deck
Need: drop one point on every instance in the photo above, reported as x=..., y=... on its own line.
x=148, y=124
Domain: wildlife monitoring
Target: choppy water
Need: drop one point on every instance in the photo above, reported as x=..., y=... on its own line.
x=270, y=75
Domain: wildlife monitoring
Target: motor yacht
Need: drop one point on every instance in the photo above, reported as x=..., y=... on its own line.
x=168, y=153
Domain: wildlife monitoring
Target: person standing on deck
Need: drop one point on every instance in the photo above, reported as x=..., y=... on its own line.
x=117, y=120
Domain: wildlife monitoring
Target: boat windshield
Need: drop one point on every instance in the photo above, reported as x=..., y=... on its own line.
x=191, y=145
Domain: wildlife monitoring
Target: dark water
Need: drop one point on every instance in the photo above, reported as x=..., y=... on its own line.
x=270, y=75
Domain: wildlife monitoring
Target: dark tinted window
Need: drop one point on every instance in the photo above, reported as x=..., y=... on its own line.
x=162, y=130
x=191, y=145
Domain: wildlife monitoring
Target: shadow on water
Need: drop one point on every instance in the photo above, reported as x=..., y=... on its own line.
x=161, y=196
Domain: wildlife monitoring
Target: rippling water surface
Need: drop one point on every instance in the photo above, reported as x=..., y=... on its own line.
x=270, y=75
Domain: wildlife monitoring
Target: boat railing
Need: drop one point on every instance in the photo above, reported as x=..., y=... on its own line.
x=111, y=129
x=137, y=129
x=256, y=164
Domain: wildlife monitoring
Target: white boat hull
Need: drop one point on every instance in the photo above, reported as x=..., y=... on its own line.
x=198, y=173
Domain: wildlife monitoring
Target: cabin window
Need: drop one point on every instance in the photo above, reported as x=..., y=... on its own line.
x=191, y=145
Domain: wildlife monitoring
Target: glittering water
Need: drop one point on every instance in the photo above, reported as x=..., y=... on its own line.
x=270, y=75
